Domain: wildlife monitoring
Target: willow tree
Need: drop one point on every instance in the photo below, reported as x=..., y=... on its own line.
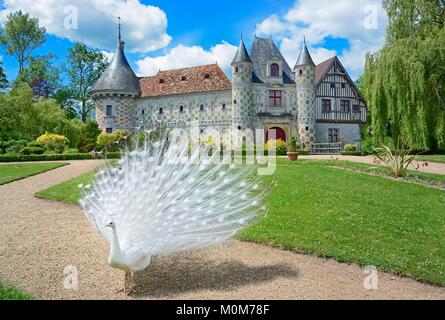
x=405, y=81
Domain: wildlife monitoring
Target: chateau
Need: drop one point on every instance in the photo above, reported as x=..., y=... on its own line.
x=318, y=104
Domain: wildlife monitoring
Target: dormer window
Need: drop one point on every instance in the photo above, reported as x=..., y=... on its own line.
x=274, y=70
x=183, y=78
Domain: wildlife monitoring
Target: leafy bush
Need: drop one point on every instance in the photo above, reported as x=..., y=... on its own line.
x=280, y=145
x=12, y=146
x=350, y=148
x=53, y=142
x=112, y=142
x=32, y=150
x=305, y=151
x=88, y=137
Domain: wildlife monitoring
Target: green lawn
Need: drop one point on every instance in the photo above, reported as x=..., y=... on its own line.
x=433, y=158
x=8, y=293
x=350, y=216
x=13, y=172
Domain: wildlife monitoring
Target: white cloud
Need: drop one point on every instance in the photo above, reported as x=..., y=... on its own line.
x=183, y=56
x=144, y=26
x=361, y=22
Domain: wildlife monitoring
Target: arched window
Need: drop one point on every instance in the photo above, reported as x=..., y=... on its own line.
x=274, y=70
x=201, y=107
x=161, y=110
x=300, y=72
x=181, y=109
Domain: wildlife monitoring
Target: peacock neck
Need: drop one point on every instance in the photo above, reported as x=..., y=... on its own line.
x=115, y=249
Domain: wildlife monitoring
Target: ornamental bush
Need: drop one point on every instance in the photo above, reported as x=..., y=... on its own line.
x=280, y=145
x=88, y=137
x=350, y=148
x=51, y=142
x=113, y=142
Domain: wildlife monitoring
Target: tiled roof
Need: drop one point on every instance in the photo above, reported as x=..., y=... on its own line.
x=322, y=68
x=182, y=81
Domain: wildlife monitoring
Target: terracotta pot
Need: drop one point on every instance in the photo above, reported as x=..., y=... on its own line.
x=292, y=156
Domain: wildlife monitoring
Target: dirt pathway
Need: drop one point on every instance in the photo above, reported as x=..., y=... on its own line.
x=40, y=238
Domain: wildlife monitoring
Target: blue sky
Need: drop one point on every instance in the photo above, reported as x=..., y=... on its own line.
x=165, y=34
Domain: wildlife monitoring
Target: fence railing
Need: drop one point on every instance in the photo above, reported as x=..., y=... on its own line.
x=326, y=148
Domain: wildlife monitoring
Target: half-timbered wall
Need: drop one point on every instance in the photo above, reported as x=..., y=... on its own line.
x=335, y=92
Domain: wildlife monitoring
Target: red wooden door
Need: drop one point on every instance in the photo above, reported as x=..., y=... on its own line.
x=279, y=134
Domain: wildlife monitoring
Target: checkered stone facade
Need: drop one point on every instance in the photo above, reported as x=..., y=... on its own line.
x=305, y=85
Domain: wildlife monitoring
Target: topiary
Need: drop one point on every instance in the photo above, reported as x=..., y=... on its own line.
x=32, y=150
x=53, y=142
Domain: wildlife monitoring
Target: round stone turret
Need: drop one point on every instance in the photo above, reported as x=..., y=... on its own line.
x=115, y=92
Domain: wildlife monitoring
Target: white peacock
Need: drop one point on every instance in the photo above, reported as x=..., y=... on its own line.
x=162, y=198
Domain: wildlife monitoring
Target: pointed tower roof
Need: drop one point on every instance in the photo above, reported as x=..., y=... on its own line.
x=304, y=57
x=118, y=77
x=241, y=55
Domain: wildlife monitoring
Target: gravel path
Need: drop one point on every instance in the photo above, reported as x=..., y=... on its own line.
x=431, y=167
x=39, y=238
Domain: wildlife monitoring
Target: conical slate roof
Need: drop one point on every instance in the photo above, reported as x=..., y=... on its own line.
x=264, y=51
x=241, y=54
x=118, y=77
x=305, y=57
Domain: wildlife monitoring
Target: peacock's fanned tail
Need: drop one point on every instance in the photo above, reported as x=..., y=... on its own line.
x=164, y=198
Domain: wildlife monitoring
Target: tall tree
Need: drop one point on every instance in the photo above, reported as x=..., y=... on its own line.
x=4, y=83
x=22, y=35
x=84, y=67
x=404, y=82
x=42, y=76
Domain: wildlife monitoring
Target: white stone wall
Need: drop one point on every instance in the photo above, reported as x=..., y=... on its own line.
x=147, y=110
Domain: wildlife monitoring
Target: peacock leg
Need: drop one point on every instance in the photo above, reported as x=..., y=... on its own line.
x=132, y=284
x=124, y=289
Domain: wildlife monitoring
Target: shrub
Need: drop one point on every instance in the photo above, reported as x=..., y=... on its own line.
x=350, y=148
x=12, y=146
x=280, y=145
x=305, y=151
x=32, y=150
x=351, y=153
x=88, y=137
x=398, y=160
x=53, y=142
x=53, y=157
x=112, y=142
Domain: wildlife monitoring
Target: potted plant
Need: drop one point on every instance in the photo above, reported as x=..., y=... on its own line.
x=292, y=149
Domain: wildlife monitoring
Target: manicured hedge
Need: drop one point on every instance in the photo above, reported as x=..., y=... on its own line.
x=54, y=157
x=351, y=153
